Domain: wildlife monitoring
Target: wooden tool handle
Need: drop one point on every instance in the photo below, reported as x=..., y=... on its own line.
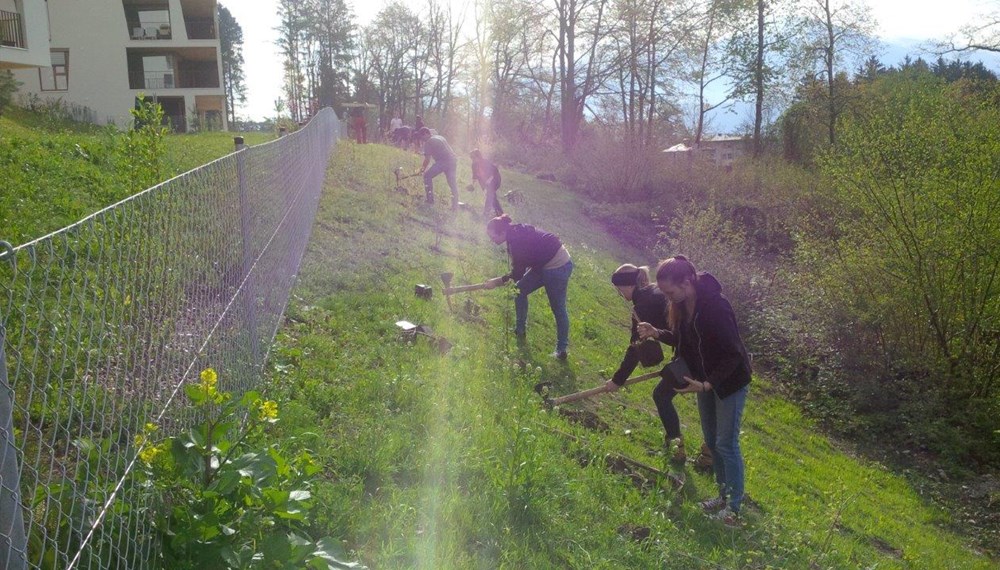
x=602, y=389
x=464, y=288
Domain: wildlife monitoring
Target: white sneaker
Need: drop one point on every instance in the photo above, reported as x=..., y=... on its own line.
x=727, y=517
x=713, y=505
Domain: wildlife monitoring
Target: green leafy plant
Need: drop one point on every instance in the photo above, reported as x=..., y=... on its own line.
x=226, y=500
x=8, y=86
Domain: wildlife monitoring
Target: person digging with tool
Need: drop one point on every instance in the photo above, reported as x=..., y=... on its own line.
x=649, y=305
x=488, y=176
x=445, y=161
x=702, y=326
x=538, y=260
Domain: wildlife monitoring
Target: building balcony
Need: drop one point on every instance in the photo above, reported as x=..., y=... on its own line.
x=11, y=30
x=200, y=28
x=159, y=80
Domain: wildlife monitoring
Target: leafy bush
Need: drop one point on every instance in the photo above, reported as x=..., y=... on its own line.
x=225, y=499
x=8, y=86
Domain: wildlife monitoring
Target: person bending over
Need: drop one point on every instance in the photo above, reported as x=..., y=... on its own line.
x=538, y=259
x=649, y=305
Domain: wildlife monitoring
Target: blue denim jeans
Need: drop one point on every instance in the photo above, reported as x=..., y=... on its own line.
x=720, y=425
x=449, y=170
x=555, y=282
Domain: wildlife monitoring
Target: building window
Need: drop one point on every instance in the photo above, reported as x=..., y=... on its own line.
x=56, y=78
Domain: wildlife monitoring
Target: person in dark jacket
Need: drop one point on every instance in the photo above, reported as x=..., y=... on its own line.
x=649, y=305
x=538, y=260
x=702, y=326
x=488, y=176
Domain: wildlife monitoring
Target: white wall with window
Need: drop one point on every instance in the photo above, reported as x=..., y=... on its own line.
x=56, y=77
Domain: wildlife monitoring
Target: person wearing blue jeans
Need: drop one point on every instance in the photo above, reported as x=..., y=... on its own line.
x=701, y=324
x=538, y=259
x=720, y=425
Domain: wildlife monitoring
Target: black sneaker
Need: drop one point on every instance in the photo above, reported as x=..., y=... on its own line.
x=560, y=355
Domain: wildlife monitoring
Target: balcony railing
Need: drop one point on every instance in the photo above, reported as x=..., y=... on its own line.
x=200, y=28
x=186, y=80
x=11, y=32
x=149, y=31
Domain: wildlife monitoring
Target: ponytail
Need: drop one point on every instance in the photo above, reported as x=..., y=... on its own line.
x=628, y=274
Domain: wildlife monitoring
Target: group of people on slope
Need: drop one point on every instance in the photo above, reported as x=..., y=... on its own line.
x=684, y=309
x=484, y=172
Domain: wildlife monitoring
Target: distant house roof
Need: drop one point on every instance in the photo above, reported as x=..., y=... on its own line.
x=722, y=138
x=679, y=147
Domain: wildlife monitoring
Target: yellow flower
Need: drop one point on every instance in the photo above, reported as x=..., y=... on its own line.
x=268, y=409
x=150, y=427
x=209, y=378
x=149, y=454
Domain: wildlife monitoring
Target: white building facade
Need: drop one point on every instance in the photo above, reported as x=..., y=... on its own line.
x=24, y=34
x=104, y=53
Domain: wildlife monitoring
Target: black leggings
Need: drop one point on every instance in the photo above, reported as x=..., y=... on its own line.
x=663, y=397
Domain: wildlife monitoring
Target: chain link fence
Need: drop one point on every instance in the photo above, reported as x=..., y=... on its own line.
x=103, y=322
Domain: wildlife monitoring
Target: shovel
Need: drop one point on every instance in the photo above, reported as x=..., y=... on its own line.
x=550, y=402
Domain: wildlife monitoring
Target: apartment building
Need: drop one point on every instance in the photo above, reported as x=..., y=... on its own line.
x=104, y=53
x=24, y=34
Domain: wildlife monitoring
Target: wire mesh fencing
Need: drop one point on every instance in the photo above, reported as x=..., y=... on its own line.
x=103, y=322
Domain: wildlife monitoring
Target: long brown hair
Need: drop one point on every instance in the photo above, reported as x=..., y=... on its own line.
x=675, y=270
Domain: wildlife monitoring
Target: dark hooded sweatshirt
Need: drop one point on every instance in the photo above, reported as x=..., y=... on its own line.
x=529, y=248
x=651, y=307
x=710, y=343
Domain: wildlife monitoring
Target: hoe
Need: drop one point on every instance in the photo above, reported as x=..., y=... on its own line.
x=552, y=402
x=400, y=177
x=449, y=290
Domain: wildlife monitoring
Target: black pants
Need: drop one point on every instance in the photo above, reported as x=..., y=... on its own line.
x=663, y=397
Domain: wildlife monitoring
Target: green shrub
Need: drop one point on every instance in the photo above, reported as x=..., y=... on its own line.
x=227, y=499
x=8, y=86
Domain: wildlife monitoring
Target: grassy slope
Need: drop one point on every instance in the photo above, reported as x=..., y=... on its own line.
x=453, y=462
x=63, y=171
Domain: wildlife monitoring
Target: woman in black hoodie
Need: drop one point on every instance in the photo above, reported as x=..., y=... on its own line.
x=702, y=326
x=648, y=306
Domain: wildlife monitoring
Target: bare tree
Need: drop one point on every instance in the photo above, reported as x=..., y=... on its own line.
x=839, y=33
x=581, y=24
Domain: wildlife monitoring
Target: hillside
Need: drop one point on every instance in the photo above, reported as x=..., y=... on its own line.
x=59, y=171
x=453, y=461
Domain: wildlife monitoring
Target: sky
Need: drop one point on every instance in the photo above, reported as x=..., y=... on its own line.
x=903, y=24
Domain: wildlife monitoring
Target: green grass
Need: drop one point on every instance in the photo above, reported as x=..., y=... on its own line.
x=52, y=173
x=452, y=461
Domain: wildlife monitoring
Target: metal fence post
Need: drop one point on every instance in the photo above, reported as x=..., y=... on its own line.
x=246, y=209
x=13, y=541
